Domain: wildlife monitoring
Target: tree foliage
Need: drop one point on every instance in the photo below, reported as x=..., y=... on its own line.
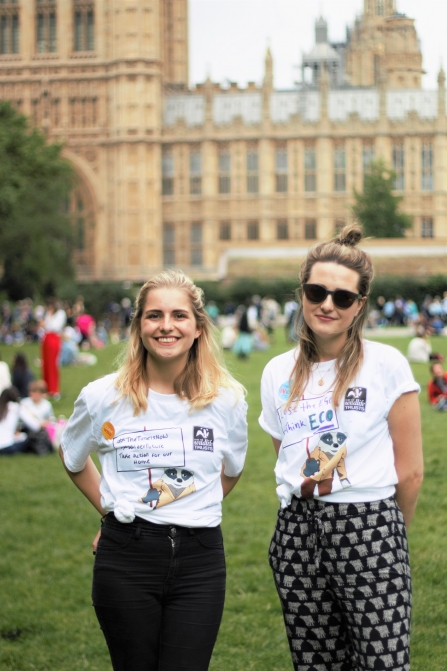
x=377, y=208
x=35, y=233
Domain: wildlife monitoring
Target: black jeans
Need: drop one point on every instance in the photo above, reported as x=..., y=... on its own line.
x=159, y=592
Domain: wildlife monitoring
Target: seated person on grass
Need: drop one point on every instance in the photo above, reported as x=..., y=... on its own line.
x=437, y=387
x=39, y=407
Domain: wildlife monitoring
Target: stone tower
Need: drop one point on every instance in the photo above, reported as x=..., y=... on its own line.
x=384, y=44
x=92, y=74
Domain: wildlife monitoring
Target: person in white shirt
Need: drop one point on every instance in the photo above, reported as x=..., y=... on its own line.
x=170, y=432
x=39, y=407
x=5, y=376
x=11, y=412
x=343, y=414
x=54, y=321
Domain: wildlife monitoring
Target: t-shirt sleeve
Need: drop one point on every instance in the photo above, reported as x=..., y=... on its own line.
x=268, y=418
x=234, y=457
x=398, y=380
x=78, y=440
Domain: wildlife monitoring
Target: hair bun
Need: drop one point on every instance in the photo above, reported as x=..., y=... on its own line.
x=350, y=236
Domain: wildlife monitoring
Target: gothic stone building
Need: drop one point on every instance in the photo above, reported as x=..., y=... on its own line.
x=220, y=180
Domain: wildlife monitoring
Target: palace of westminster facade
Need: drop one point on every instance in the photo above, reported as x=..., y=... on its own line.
x=218, y=179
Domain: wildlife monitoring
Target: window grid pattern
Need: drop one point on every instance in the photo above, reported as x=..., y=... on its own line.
x=169, y=244
x=339, y=225
x=310, y=169
x=339, y=169
x=195, y=172
x=367, y=159
x=427, y=166
x=195, y=240
x=46, y=26
x=167, y=170
x=252, y=171
x=282, y=229
x=281, y=169
x=427, y=230
x=310, y=229
x=84, y=25
x=9, y=27
x=225, y=230
x=399, y=166
x=82, y=111
x=224, y=172
x=253, y=230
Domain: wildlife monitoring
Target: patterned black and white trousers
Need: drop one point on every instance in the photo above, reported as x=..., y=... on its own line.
x=343, y=577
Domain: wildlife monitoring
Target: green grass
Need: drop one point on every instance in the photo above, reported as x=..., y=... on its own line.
x=47, y=527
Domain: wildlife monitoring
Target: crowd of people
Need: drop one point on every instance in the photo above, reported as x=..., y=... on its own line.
x=24, y=322
x=431, y=314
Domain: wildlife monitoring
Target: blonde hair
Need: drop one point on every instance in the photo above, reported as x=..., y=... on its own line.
x=205, y=372
x=342, y=250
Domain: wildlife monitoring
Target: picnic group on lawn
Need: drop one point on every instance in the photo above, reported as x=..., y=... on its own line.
x=169, y=428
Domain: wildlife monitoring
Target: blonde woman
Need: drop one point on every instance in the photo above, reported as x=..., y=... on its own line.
x=171, y=435
x=344, y=418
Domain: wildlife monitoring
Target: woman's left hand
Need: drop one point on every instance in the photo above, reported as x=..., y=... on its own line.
x=95, y=541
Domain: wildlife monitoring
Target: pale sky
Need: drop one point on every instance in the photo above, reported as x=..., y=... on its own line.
x=228, y=38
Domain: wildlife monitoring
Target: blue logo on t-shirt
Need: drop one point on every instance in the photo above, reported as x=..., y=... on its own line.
x=284, y=391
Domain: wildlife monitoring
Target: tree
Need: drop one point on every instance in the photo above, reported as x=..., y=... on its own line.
x=35, y=233
x=377, y=208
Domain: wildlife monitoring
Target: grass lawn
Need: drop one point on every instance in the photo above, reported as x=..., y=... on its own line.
x=46, y=619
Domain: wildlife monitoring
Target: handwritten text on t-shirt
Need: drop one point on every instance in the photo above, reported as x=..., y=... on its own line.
x=307, y=417
x=155, y=448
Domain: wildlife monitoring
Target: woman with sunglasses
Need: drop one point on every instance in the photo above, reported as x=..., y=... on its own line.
x=344, y=418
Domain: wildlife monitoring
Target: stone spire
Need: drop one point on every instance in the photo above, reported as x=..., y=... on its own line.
x=441, y=92
x=268, y=69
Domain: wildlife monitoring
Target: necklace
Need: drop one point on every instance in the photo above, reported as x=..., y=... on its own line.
x=321, y=380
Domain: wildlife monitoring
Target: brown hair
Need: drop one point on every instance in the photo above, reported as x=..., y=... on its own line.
x=10, y=394
x=38, y=385
x=204, y=374
x=342, y=250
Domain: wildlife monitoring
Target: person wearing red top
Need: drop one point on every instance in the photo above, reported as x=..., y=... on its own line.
x=437, y=387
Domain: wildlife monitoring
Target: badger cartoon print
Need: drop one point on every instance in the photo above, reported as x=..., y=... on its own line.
x=174, y=484
x=326, y=458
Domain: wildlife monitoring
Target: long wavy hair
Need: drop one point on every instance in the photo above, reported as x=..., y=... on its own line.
x=205, y=372
x=342, y=250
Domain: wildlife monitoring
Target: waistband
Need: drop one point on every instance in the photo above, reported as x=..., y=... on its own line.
x=144, y=527
x=341, y=509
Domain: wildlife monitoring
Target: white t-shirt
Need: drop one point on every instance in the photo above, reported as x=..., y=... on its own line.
x=42, y=410
x=163, y=465
x=8, y=424
x=54, y=322
x=419, y=350
x=5, y=376
x=343, y=454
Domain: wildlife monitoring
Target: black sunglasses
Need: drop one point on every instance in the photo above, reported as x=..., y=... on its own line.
x=343, y=299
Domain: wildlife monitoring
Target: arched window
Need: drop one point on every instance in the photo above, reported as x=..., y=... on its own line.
x=81, y=212
x=9, y=27
x=45, y=26
x=380, y=7
x=84, y=25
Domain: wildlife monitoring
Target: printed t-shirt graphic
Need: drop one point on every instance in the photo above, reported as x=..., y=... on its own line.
x=156, y=449
x=175, y=483
x=315, y=421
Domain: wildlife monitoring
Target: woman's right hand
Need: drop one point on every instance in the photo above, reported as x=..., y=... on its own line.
x=95, y=541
